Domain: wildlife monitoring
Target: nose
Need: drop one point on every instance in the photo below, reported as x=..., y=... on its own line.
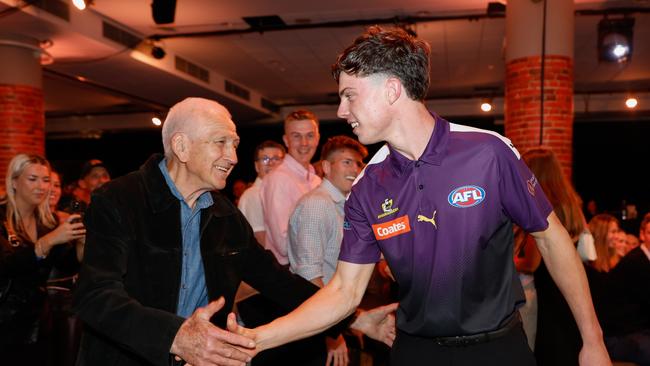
x=231, y=154
x=304, y=140
x=343, y=111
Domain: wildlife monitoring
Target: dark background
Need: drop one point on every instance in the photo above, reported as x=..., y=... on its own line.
x=611, y=157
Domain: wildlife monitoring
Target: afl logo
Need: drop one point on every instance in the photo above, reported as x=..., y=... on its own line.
x=466, y=196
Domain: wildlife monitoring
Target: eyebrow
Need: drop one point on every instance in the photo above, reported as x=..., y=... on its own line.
x=343, y=91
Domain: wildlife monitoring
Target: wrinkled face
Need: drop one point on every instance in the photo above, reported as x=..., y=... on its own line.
x=95, y=179
x=212, y=154
x=55, y=189
x=301, y=138
x=33, y=185
x=342, y=168
x=267, y=159
x=364, y=106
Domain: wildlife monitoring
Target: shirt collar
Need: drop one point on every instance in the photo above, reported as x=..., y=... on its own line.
x=204, y=200
x=433, y=153
x=334, y=192
x=294, y=165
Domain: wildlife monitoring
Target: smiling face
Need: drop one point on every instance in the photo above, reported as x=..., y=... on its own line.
x=342, y=167
x=33, y=185
x=364, y=106
x=211, y=154
x=301, y=138
x=55, y=189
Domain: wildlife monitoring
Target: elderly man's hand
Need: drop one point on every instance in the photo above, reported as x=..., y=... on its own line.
x=378, y=323
x=199, y=342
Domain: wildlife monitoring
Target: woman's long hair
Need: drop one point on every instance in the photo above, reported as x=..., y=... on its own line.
x=599, y=227
x=559, y=191
x=16, y=167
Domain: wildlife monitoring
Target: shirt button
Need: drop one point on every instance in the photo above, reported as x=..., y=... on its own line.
x=421, y=187
x=417, y=164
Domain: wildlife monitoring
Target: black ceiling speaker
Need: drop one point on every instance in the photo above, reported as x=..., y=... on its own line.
x=163, y=11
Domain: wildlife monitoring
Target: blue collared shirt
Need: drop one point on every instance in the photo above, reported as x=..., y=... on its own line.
x=193, y=292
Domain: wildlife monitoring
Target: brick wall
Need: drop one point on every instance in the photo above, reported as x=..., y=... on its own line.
x=522, y=105
x=22, y=124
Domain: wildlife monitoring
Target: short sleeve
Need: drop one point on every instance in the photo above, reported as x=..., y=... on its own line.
x=359, y=244
x=521, y=195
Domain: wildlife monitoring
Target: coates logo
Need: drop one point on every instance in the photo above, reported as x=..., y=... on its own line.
x=466, y=196
x=392, y=228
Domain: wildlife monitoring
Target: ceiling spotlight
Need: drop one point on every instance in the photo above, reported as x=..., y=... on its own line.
x=486, y=106
x=81, y=4
x=615, y=39
x=631, y=103
x=157, y=52
x=156, y=121
x=163, y=11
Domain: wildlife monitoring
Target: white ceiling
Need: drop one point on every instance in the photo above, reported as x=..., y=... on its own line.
x=289, y=67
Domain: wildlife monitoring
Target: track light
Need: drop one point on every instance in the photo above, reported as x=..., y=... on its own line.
x=81, y=4
x=486, y=105
x=156, y=121
x=631, y=103
x=163, y=11
x=615, y=39
x=158, y=52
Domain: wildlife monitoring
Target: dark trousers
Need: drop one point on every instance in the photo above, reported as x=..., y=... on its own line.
x=258, y=310
x=510, y=350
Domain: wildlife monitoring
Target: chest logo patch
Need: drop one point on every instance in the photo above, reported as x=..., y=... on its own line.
x=387, y=208
x=466, y=196
x=392, y=228
x=431, y=220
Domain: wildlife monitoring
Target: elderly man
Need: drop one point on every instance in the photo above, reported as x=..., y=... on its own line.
x=165, y=252
x=438, y=200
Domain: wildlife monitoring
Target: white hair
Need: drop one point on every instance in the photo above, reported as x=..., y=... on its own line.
x=184, y=116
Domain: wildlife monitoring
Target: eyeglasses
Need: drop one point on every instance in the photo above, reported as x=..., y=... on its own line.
x=270, y=160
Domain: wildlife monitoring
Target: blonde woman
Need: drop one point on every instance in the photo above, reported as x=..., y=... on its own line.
x=31, y=243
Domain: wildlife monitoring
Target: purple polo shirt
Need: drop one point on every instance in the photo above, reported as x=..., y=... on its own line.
x=444, y=224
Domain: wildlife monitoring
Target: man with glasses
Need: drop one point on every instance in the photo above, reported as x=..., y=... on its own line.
x=268, y=155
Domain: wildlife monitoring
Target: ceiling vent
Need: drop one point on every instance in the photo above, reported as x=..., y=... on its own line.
x=237, y=90
x=269, y=105
x=54, y=7
x=191, y=69
x=120, y=36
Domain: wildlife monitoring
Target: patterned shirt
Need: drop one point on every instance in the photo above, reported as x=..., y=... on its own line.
x=316, y=231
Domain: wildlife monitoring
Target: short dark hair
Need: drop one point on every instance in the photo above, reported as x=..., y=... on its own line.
x=267, y=144
x=391, y=51
x=89, y=165
x=300, y=115
x=342, y=142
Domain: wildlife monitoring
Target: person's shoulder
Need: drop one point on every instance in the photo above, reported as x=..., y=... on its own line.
x=482, y=139
x=314, y=198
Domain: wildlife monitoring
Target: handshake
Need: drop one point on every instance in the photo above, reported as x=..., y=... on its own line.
x=199, y=342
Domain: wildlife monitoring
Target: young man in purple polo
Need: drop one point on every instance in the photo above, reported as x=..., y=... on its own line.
x=438, y=200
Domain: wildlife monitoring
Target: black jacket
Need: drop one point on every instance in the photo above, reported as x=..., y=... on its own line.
x=22, y=283
x=130, y=277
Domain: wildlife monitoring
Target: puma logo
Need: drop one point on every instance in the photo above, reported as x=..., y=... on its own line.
x=432, y=220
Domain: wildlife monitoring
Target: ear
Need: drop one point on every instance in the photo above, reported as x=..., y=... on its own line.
x=181, y=146
x=393, y=89
x=327, y=167
x=286, y=140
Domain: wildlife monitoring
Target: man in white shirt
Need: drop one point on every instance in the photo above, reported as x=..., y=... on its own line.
x=268, y=155
x=316, y=225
